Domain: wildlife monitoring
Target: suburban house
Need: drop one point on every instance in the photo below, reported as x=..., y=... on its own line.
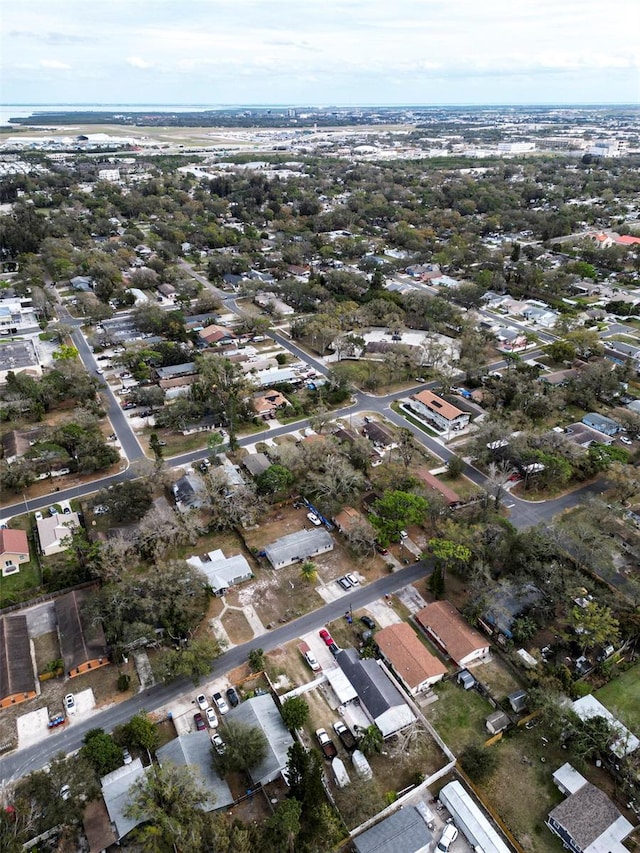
x=268, y=404
x=54, y=532
x=173, y=371
x=444, y=415
x=436, y=485
x=167, y=290
x=261, y=712
x=222, y=572
x=115, y=791
x=451, y=633
x=602, y=423
x=379, y=435
x=410, y=661
x=587, y=821
x=193, y=750
x=584, y=436
x=82, y=640
x=588, y=706
x=343, y=435
x=216, y=336
x=380, y=699
x=297, y=546
x=17, y=679
x=97, y=827
x=189, y=492
x=17, y=442
x=405, y=831
x=256, y=463
x=349, y=518
x=505, y=603
x=14, y=549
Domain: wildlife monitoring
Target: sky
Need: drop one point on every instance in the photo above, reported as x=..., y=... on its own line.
x=319, y=52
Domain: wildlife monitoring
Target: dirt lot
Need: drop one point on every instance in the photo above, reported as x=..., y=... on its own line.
x=47, y=649
x=236, y=625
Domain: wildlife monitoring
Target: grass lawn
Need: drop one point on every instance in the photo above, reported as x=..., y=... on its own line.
x=459, y=715
x=396, y=408
x=495, y=675
x=622, y=697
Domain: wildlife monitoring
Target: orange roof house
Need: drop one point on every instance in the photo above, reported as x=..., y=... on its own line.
x=441, y=413
x=414, y=665
x=447, y=628
x=14, y=549
x=217, y=335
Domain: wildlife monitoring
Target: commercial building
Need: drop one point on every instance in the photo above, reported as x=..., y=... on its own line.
x=442, y=414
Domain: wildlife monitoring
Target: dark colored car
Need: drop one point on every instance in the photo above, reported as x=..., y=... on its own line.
x=344, y=583
x=199, y=721
x=381, y=550
x=334, y=648
x=368, y=621
x=232, y=696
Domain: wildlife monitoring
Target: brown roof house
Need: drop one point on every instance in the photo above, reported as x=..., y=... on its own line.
x=17, y=678
x=412, y=663
x=439, y=412
x=379, y=435
x=216, y=335
x=82, y=641
x=97, y=827
x=432, y=482
x=348, y=518
x=14, y=549
x=267, y=404
x=451, y=633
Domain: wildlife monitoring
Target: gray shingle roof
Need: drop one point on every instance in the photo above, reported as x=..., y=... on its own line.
x=194, y=750
x=586, y=814
x=16, y=667
x=261, y=712
x=80, y=639
x=298, y=546
x=402, y=832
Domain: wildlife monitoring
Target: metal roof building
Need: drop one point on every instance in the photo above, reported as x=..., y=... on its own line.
x=471, y=820
x=402, y=832
x=193, y=750
x=299, y=545
x=261, y=712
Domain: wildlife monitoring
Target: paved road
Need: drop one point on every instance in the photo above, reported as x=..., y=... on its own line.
x=31, y=758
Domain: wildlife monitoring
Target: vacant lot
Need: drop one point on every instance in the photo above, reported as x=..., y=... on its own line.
x=622, y=697
x=459, y=715
x=236, y=625
x=497, y=677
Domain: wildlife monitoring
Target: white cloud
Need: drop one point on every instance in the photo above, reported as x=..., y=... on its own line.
x=137, y=62
x=55, y=65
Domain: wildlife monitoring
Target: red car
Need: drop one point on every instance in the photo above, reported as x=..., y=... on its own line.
x=200, y=726
x=326, y=636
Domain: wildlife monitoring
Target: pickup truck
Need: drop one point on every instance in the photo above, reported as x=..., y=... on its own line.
x=327, y=746
x=346, y=737
x=309, y=656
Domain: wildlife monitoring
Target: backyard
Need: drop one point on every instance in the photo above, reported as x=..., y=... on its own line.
x=622, y=697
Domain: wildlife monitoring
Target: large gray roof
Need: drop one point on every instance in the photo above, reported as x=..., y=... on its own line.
x=80, y=639
x=194, y=750
x=586, y=815
x=403, y=832
x=115, y=790
x=298, y=545
x=16, y=666
x=261, y=712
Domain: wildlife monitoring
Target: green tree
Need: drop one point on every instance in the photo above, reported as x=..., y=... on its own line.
x=101, y=751
x=448, y=554
x=155, y=446
x=455, y=466
x=295, y=712
x=65, y=353
x=562, y=351
x=276, y=478
x=437, y=582
x=127, y=501
x=309, y=572
x=372, y=740
x=595, y=625
x=395, y=510
x=169, y=801
x=257, y=660
x=478, y=762
x=192, y=659
x=284, y=824
x=140, y=732
x=246, y=747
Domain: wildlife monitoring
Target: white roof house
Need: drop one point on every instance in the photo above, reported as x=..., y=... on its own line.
x=299, y=545
x=54, y=530
x=589, y=706
x=222, y=572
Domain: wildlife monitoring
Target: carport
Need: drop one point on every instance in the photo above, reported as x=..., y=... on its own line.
x=341, y=685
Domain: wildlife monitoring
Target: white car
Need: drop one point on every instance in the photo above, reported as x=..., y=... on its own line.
x=218, y=743
x=220, y=703
x=212, y=718
x=447, y=838
x=311, y=660
x=625, y=440
x=313, y=518
x=354, y=580
x=70, y=703
x=202, y=702
x=38, y=516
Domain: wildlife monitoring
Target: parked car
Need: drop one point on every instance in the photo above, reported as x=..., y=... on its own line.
x=232, y=696
x=99, y=371
x=65, y=792
x=70, y=703
x=38, y=516
x=368, y=621
x=221, y=705
x=126, y=756
x=311, y=660
x=53, y=510
x=326, y=636
x=212, y=718
x=381, y=549
x=199, y=721
x=218, y=743
x=128, y=406
x=353, y=579
x=202, y=702
x=100, y=509
x=313, y=518
x=625, y=440
x=449, y=835
x=345, y=583
x=334, y=648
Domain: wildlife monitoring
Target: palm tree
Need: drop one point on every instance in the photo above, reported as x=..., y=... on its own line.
x=372, y=740
x=309, y=572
